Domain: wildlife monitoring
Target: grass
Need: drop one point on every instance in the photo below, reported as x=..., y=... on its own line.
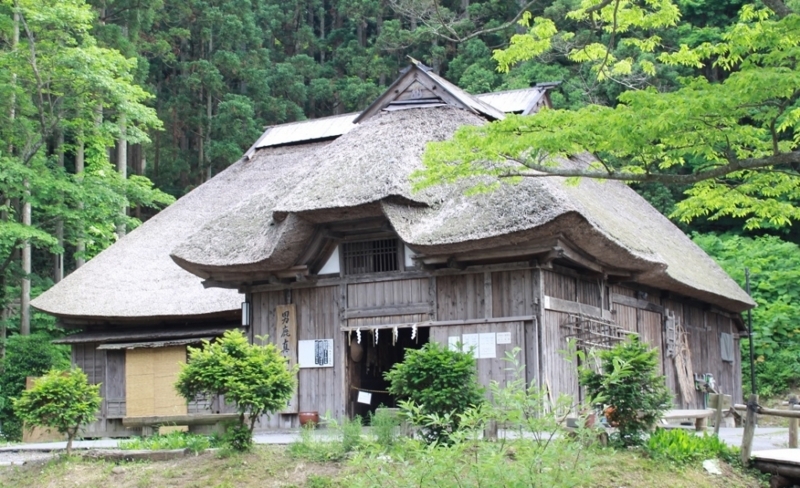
x=174, y=440
x=273, y=466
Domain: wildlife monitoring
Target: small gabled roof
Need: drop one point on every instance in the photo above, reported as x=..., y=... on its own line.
x=321, y=129
x=420, y=87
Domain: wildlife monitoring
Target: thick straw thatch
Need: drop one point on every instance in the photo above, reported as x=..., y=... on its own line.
x=135, y=278
x=372, y=163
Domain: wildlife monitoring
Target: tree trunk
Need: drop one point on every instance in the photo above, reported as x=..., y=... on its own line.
x=58, y=259
x=25, y=296
x=122, y=168
x=80, y=260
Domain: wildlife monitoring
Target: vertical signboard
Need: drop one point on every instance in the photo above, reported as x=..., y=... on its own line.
x=286, y=316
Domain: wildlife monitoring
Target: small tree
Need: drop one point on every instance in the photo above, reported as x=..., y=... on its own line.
x=61, y=400
x=436, y=381
x=254, y=378
x=630, y=384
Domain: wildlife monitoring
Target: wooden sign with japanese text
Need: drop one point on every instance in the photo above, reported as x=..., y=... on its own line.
x=286, y=340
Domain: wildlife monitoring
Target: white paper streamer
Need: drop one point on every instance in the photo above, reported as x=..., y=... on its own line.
x=375, y=333
x=413, y=331
x=358, y=335
x=395, y=333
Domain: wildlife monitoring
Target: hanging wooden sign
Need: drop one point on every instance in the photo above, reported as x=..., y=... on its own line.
x=286, y=340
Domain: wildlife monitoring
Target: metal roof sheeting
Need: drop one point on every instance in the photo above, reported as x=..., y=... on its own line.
x=512, y=101
x=307, y=130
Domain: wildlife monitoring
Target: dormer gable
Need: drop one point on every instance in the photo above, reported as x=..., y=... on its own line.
x=420, y=87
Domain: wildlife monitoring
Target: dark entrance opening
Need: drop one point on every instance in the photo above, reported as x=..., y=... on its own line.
x=367, y=362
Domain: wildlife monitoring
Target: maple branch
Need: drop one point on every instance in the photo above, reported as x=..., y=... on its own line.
x=783, y=159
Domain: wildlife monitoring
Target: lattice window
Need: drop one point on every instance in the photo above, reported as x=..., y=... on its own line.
x=376, y=256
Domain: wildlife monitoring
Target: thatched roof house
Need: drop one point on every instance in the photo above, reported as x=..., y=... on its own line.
x=317, y=229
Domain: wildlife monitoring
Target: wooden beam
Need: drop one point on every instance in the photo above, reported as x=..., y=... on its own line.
x=487, y=294
x=789, y=414
x=567, y=306
x=189, y=419
x=636, y=303
x=443, y=323
x=410, y=309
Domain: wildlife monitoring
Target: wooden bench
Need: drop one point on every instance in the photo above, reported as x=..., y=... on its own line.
x=150, y=424
x=700, y=417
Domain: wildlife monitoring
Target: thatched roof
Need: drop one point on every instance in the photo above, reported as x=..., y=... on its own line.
x=366, y=172
x=135, y=277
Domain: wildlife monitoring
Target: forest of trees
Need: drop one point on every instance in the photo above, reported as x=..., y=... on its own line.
x=110, y=109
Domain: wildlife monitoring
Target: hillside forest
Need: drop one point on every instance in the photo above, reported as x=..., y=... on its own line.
x=112, y=109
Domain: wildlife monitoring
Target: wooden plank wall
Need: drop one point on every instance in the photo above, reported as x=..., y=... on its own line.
x=460, y=297
x=489, y=370
x=105, y=367
x=320, y=389
x=388, y=293
x=559, y=368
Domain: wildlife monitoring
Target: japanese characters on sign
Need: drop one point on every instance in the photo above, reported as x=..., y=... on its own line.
x=286, y=340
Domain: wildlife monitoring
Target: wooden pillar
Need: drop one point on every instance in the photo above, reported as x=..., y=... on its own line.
x=793, y=433
x=749, y=429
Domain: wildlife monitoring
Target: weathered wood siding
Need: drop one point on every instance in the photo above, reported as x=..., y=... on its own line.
x=320, y=389
x=108, y=369
x=497, y=369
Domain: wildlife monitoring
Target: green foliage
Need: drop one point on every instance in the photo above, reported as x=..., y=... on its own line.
x=540, y=455
x=775, y=286
x=26, y=356
x=662, y=133
x=680, y=447
x=238, y=437
x=61, y=400
x=196, y=443
x=253, y=377
x=335, y=442
x=385, y=426
x=435, y=380
x=628, y=381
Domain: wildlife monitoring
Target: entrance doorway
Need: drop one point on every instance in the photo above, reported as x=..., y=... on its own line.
x=367, y=362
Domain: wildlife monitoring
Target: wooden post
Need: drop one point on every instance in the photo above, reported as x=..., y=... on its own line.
x=749, y=429
x=793, y=433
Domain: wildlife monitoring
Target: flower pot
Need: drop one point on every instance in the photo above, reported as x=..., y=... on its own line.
x=308, y=418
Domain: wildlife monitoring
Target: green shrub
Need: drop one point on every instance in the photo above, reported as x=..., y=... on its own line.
x=385, y=426
x=540, y=456
x=32, y=355
x=196, y=443
x=61, y=400
x=630, y=384
x=681, y=447
x=334, y=443
x=440, y=382
x=254, y=378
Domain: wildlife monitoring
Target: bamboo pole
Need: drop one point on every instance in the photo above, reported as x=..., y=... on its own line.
x=749, y=429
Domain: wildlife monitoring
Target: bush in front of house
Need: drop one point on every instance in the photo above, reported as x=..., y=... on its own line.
x=255, y=378
x=32, y=355
x=60, y=400
x=436, y=385
x=629, y=382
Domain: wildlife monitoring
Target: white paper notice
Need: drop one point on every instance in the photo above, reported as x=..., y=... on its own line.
x=316, y=353
x=471, y=342
x=504, y=337
x=452, y=343
x=365, y=397
x=487, y=346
